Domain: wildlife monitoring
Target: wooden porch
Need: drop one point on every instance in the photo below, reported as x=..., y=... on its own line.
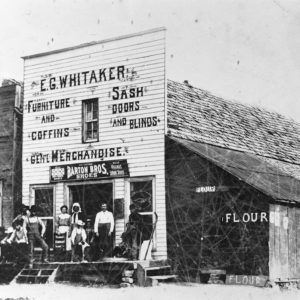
x=109, y=272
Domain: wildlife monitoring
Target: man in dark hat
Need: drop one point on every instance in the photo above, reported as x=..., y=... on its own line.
x=32, y=224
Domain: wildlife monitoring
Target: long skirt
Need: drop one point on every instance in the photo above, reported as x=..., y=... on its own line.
x=66, y=230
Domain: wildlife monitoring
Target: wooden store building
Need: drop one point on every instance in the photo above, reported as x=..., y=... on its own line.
x=102, y=124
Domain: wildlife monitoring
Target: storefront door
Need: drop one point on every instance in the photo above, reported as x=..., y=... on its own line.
x=90, y=197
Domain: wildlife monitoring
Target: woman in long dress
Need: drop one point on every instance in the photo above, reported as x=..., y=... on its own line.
x=64, y=225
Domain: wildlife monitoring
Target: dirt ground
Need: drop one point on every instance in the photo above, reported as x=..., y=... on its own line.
x=163, y=291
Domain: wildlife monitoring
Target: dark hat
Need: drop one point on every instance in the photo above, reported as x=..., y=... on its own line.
x=33, y=208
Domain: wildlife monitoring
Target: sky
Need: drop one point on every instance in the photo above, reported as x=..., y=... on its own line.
x=246, y=51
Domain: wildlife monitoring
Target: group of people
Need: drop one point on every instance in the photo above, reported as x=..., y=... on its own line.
x=90, y=242
x=27, y=230
x=83, y=240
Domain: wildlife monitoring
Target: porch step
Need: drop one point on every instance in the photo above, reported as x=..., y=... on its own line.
x=39, y=273
x=163, y=278
x=158, y=271
x=152, y=275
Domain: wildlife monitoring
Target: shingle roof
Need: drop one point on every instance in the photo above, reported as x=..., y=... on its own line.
x=196, y=115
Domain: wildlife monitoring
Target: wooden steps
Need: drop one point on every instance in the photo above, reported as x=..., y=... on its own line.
x=39, y=273
x=148, y=275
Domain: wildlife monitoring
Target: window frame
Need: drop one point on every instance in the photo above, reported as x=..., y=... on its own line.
x=84, y=120
x=128, y=182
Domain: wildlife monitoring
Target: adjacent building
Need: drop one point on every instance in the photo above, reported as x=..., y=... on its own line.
x=10, y=150
x=232, y=186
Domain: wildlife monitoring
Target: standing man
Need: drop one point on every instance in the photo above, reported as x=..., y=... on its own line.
x=32, y=224
x=103, y=228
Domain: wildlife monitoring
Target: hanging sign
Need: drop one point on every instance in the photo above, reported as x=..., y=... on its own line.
x=89, y=171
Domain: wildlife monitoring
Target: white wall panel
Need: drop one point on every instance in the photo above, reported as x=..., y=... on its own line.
x=141, y=62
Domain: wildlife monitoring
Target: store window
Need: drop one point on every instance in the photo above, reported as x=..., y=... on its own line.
x=90, y=122
x=141, y=194
x=44, y=201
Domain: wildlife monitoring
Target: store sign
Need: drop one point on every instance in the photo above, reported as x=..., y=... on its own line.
x=89, y=171
x=258, y=280
x=211, y=189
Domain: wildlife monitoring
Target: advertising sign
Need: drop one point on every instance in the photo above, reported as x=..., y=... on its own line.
x=89, y=171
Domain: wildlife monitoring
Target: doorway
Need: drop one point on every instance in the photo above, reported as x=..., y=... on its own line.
x=90, y=197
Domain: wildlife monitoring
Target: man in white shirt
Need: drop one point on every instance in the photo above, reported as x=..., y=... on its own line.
x=103, y=228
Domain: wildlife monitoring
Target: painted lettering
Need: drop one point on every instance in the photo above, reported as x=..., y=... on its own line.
x=125, y=107
x=119, y=122
x=48, y=119
x=246, y=217
x=143, y=122
x=47, y=105
x=49, y=134
x=60, y=156
x=120, y=94
x=88, y=77
x=263, y=217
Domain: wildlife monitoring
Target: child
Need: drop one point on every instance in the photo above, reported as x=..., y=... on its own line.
x=79, y=244
x=6, y=249
x=19, y=242
x=64, y=226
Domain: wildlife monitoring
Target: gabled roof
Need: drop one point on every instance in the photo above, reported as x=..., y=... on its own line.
x=242, y=139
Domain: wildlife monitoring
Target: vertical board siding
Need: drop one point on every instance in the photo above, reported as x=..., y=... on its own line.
x=297, y=226
x=277, y=240
x=272, y=252
x=284, y=243
x=292, y=251
x=143, y=59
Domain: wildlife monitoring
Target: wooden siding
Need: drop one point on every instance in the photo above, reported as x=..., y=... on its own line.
x=10, y=152
x=143, y=57
x=119, y=222
x=284, y=245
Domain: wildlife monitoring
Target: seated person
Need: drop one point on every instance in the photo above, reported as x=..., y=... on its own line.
x=90, y=239
x=19, y=242
x=133, y=232
x=22, y=215
x=123, y=249
x=79, y=244
x=6, y=249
